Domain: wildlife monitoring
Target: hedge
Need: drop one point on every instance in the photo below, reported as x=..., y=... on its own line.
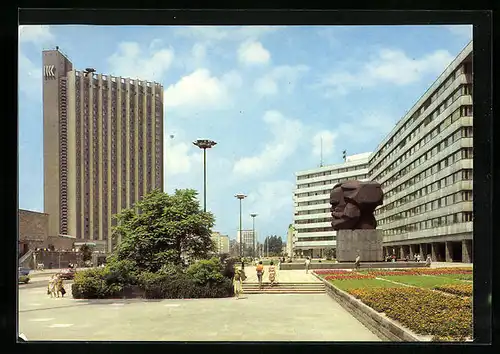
x=421, y=310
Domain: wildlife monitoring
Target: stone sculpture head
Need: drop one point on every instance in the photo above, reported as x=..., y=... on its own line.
x=353, y=203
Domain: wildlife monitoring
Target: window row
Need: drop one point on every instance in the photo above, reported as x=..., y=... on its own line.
x=313, y=221
x=462, y=111
x=432, y=223
x=464, y=175
x=333, y=172
x=442, y=202
x=464, y=68
x=317, y=229
x=464, y=153
x=319, y=238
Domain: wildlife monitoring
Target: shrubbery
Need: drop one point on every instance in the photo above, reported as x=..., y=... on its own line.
x=203, y=279
x=98, y=283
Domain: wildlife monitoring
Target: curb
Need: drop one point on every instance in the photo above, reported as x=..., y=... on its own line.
x=385, y=328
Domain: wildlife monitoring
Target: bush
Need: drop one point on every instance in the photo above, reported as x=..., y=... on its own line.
x=121, y=271
x=423, y=311
x=181, y=286
x=206, y=272
x=95, y=283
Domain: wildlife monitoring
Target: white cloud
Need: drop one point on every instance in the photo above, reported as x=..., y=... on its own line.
x=199, y=89
x=35, y=33
x=30, y=78
x=270, y=199
x=253, y=52
x=286, y=136
x=285, y=76
x=389, y=66
x=464, y=31
x=324, y=143
x=225, y=33
x=266, y=86
x=369, y=126
x=132, y=61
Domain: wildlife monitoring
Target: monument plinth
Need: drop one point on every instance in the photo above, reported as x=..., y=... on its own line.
x=365, y=243
x=353, y=204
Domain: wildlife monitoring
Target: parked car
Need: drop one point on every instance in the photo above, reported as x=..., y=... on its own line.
x=68, y=274
x=24, y=271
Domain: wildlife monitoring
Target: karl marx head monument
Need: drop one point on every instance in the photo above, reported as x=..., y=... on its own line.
x=353, y=204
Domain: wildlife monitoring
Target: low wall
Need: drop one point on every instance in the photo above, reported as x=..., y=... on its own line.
x=382, y=265
x=385, y=328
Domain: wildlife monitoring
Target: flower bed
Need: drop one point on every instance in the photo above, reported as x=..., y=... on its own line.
x=456, y=289
x=421, y=271
x=331, y=271
x=423, y=311
x=348, y=276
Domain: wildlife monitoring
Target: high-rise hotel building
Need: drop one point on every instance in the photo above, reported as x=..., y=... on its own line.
x=313, y=232
x=103, y=147
x=425, y=168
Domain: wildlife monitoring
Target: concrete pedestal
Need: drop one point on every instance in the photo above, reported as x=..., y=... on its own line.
x=368, y=243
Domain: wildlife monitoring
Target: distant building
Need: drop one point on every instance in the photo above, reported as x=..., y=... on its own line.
x=312, y=220
x=102, y=147
x=425, y=166
x=248, y=238
x=221, y=242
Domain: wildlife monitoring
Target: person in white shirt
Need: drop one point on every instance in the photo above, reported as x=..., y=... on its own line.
x=307, y=263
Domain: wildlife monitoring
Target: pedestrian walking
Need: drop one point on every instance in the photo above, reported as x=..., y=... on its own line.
x=357, y=262
x=260, y=273
x=428, y=261
x=239, y=277
x=272, y=273
x=307, y=263
x=418, y=257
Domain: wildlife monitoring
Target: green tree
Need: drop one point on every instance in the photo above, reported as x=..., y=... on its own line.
x=275, y=245
x=162, y=229
x=86, y=252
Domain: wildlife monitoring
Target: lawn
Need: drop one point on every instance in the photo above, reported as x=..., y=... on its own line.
x=457, y=276
x=422, y=281
x=363, y=283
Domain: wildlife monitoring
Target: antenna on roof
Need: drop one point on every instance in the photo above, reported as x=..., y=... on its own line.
x=321, y=152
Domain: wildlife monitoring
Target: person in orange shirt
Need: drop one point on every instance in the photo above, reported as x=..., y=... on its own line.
x=260, y=273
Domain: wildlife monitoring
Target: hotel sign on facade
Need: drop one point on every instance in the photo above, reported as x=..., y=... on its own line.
x=49, y=71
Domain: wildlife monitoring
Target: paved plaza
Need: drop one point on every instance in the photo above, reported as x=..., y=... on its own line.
x=260, y=317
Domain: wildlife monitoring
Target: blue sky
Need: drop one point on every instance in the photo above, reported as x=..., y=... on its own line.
x=266, y=94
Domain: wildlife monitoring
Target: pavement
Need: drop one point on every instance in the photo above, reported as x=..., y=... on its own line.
x=254, y=317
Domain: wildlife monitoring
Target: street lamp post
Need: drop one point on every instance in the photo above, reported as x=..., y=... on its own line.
x=253, y=232
x=204, y=144
x=241, y=197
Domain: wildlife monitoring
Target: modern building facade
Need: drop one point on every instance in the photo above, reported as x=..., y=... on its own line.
x=425, y=168
x=221, y=242
x=103, y=147
x=248, y=239
x=313, y=232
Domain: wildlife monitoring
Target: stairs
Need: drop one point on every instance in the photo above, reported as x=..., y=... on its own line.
x=284, y=288
x=25, y=259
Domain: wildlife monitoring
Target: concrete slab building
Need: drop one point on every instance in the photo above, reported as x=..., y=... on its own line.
x=425, y=168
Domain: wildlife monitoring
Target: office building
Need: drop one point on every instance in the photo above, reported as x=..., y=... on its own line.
x=103, y=147
x=312, y=220
x=221, y=242
x=425, y=168
x=248, y=239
